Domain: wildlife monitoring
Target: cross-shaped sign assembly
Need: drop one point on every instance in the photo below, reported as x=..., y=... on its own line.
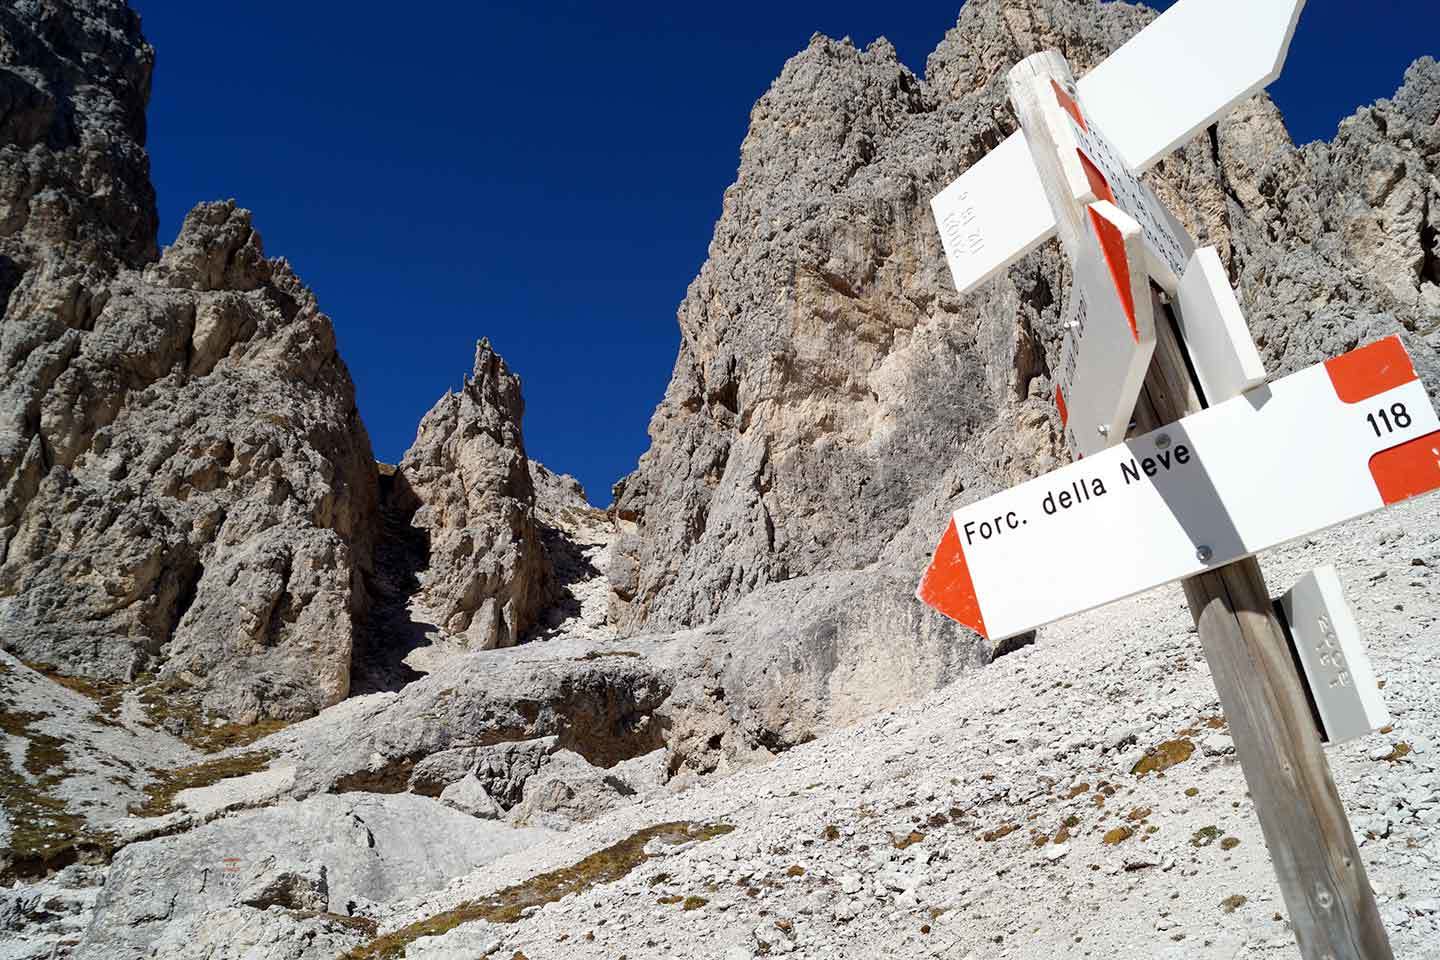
x=1155, y=336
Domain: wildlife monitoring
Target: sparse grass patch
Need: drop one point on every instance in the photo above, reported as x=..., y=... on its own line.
x=1004, y=830
x=1165, y=756
x=1233, y=902
x=1205, y=836
x=913, y=837
x=1398, y=752
x=45, y=835
x=160, y=794
x=509, y=904
x=107, y=693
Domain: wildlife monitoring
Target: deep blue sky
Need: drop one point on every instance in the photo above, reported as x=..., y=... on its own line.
x=544, y=174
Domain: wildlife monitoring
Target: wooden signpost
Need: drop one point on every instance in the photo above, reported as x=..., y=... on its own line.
x=1219, y=465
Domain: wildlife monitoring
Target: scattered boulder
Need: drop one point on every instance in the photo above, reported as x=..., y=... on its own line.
x=293, y=886
x=468, y=796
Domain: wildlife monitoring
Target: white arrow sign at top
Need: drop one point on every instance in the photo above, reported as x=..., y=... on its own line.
x=1177, y=76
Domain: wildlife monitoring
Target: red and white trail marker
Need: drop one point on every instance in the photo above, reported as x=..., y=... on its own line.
x=1239, y=468
x=1319, y=447
x=1110, y=332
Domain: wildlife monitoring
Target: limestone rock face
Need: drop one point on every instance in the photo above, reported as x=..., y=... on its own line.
x=188, y=484
x=485, y=575
x=324, y=854
x=833, y=397
x=185, y=484
x=74, y=176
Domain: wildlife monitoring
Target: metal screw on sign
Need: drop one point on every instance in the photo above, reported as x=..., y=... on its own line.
x=1203, y=553
x=1323, y=898
x=1162, y=441
x=1104, y=430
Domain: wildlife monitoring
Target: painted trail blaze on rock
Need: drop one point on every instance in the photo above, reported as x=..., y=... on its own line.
x=947, y=586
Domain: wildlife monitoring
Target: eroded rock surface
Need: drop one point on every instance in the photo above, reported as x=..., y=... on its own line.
x=190, y=487
x=326, y=855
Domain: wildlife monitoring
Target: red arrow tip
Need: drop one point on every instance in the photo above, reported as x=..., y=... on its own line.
x=947, y=586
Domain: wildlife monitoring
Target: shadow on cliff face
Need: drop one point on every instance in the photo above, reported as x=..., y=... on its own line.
x=391, y=631
x=572, y=568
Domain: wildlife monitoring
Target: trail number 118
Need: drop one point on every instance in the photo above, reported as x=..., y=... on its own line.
x=1397, y=418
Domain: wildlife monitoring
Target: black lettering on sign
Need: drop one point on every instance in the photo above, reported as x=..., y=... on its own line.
x=991, y=528
x=1163, y=461
x=1086, y=488
x=1395, y=418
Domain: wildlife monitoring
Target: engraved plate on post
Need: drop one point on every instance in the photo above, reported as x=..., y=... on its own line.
x=1337, y=671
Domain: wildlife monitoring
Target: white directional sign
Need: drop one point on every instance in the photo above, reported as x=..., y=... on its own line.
x=993, y=215
x=1178, y=75
x=1337, y=671
x=1110, y=333
x=1185, y=70
x=1332, y=442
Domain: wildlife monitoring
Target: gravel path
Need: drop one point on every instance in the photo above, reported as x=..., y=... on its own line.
x=998, y=818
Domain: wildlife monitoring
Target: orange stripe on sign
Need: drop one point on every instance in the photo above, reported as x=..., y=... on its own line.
x=1408, y=470
x=1068, y=104
x=1370, y=370
x=1098, y=184
x=947, y=586
x=1112, y=244
x=1060, y=405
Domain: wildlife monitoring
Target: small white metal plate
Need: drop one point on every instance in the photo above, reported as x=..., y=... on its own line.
x=1214, y=330
x=1167, y=243
x=1338, y=672
x=1185, y=70
x=1330, y=443
x=1110, y=334
x=993, y=215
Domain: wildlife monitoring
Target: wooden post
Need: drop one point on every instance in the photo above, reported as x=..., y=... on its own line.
x=1332, y=908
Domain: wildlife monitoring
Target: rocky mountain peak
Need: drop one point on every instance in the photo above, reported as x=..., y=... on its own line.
x=466, y=483
x=217, y=249
x=832, y=396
